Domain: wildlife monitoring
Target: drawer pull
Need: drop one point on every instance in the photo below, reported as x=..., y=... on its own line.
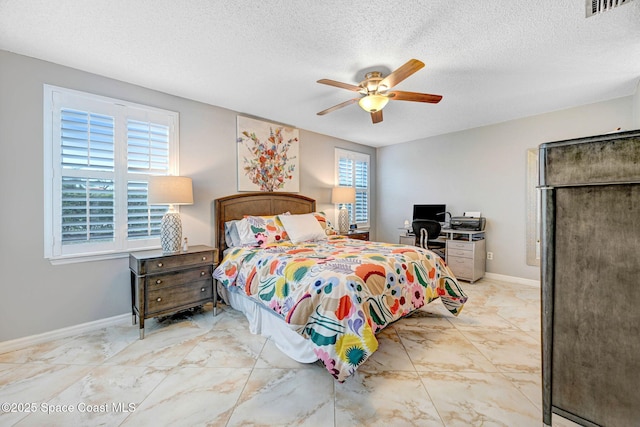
x=202, y=273
x=202, y=289
x=159, y=299
x=204, y=258
x=158, y=281
x=160, y=264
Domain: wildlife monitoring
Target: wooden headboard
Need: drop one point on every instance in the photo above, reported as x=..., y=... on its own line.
x=263, y=203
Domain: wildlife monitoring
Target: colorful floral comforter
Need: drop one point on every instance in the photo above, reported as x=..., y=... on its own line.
x=339, y=293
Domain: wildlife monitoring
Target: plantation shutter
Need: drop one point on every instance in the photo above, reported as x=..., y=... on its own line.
x=99, y=155
x=147, y=153
x=142, y=220
x=353, y=171
x=361, y=180
x=147, y=147
x=87, y=162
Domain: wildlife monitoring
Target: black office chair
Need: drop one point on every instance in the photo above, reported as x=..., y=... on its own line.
x=426, y=232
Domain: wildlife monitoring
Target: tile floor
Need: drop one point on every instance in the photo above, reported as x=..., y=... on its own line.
x=432, y=369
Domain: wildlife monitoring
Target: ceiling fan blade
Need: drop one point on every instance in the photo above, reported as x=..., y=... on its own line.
x=335, y=107
x=399, y=95
x=340, y=85
x=376, y=117
x=401, y=73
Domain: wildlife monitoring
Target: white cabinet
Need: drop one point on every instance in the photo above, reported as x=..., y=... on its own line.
x=466, y=259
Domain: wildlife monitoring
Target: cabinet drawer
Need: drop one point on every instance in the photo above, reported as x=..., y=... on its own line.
x=176, y=296
x=157, y=281
x=359, y=236
x=461, y=267
x=157, y=265
x=459, y=245
x=459, y=253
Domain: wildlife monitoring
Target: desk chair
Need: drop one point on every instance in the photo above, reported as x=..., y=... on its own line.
x=426, y=232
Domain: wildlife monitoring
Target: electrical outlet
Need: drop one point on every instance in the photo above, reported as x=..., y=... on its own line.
x=489, y=255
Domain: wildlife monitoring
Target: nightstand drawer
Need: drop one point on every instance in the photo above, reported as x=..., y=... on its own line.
x=157, y=281
x=173, y=297
x=167, y=263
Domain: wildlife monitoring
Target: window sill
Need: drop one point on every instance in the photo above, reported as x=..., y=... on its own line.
x=74, y=259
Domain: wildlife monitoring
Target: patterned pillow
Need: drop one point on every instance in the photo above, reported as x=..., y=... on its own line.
x=267, y=229
x=325, y=223
x=246, y=235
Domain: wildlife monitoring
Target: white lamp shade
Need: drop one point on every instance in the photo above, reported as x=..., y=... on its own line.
x=170, y=190
x=343, y=195
x=373, y=103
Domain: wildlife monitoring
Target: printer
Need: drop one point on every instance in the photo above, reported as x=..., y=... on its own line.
x=467, y=223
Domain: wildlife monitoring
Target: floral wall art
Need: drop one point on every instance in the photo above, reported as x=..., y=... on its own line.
x=267, y=156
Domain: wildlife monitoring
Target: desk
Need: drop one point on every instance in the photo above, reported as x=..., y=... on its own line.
x=470, y=235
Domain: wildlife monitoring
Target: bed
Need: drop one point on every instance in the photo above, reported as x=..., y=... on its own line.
x=320, y=297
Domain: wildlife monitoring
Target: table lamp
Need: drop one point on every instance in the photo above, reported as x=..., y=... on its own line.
x=343, y=196
x=170, y=190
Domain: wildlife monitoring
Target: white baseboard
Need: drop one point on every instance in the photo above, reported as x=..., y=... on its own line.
x=520, y=280
x=20, y=343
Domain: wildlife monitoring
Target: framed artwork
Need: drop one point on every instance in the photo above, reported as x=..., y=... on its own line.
x=267, y=156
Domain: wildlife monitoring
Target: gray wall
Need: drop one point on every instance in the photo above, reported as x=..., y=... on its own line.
x=484, y=169
x=481, y=169
x=37, y=297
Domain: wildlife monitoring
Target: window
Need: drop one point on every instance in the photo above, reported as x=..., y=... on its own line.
x=99, y=154
x=352, y=170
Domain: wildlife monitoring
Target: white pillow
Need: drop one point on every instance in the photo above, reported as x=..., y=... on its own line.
x=302, y=228
x=246, y=234
x=231, y=235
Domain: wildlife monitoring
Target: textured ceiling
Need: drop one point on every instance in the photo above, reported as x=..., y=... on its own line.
x=491, y=60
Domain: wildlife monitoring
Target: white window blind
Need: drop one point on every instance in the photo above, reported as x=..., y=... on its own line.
x=147, y=147
x=142, y=220
x=87, y=140
x=148, y=152
x=352, y=170
x=88, y=210
x=99, y=154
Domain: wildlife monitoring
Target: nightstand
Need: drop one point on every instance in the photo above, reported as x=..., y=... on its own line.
x=165, y=283
x=358, y=235
x=407, y=239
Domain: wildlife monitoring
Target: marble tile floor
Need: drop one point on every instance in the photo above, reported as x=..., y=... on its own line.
x=432, y=369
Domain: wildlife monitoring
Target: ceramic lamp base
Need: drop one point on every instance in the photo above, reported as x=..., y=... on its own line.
x=343, y=220
x=171, y=232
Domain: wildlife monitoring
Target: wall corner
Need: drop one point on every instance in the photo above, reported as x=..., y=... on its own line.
x=635, y=109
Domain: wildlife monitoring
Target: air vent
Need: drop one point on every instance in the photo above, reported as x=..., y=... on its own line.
x=595, y=7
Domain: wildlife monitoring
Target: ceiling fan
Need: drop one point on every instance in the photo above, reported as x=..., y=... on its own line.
x=375, y=90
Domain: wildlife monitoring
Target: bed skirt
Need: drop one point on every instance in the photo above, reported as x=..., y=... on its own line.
x=266, y=323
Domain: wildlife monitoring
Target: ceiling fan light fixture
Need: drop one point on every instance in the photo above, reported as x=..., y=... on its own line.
x=373, y=103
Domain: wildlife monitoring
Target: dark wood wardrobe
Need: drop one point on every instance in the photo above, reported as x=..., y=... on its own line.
x=590, y=192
